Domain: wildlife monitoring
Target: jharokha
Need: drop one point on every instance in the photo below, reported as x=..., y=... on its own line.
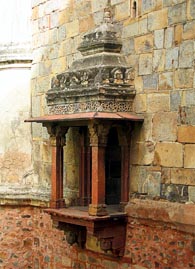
x=97, y=149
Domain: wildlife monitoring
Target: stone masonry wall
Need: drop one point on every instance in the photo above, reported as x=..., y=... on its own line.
x=160, y=44
x=28, y=240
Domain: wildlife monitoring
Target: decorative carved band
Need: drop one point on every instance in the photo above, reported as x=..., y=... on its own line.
x=101, y=106
x=85, y=78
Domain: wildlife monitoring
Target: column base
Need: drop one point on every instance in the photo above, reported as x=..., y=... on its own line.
x=57, y=203
x=97, y=210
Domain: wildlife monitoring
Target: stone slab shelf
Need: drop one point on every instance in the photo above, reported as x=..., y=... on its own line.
x=104, y=234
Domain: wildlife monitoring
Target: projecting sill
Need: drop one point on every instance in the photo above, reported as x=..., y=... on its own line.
x=104, y=234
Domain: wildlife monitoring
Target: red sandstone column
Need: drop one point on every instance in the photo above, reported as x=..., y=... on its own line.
x=98, y=139
x=57, y=141
x=125, y=139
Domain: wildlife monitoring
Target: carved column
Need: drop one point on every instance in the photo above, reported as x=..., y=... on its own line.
x=57, y=141
x=124, y=141
x=98, y=140
x=85, y=174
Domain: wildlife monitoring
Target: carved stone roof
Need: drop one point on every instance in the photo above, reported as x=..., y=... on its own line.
x=99, y=81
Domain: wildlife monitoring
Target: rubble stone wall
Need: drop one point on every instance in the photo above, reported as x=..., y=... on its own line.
x=29, y=240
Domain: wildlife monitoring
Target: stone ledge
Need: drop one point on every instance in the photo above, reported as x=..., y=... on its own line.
x=182, y=216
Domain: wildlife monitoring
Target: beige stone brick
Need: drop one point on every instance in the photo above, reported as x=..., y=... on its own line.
x=169, y=154
x=86, y=24
x=157, y=102
x=72, y=28
x=186, y=134
x=183, y=176
x=64, y=16
x=191, y=9
x=142, y=153
x=189, y=156
x=159, y=60
x=165, y=126
x=98, y=5
x=144, y=43
x=138, y=84
x=140, y=103
x=35, y=13
x=189, y=30
x=166, y=81
x=145, y=64
x=178, y=34
x=154, y=23
x=122, y=11
x=184, y=78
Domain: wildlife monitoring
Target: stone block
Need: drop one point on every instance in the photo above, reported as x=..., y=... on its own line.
x=61, y=33
x=157, y=102
x=138, y=84
x=184, y=78
x=54, y=19
x=138, y=177
x=150, y=82
x=189, y=156
x=122, y=11
x=128, y=46
x=145, y=64
x=186, y=115
x=159, y=60
x=45, y=68
x=59, y=65
x=144, y=43
x=153, y=183
x=98, y=5
x=186, y=134
x=147, y=6
x=172, y=58
x=169, y=32
x=177, y=13
x=189, y=30
x=166, y=81
x=86, y=24
x=183, y=176
x=167, y=3
x=143, y=26
x=190, y=97
x=191, y=9
x=153, y=19
x=130, y=30
x=175, y=100
x=191, y=194
x=165, y=121
x=143, y=132
x=140, y=103
x=186, y=54
x=178, y=33
x=174, y=192
x=166, y=175
x=72, y=28
x=169, y=154
x=142, y=153
x=159, y=38
x=98, y=17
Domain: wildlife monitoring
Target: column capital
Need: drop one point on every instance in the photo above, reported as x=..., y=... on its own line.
x=98, y=133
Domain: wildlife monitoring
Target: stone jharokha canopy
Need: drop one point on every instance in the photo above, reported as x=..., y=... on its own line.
x=97, y=146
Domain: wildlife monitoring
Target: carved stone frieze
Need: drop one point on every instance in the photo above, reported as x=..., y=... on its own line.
x=100, y=106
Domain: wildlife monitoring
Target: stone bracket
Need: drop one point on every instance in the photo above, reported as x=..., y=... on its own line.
x=108, y=232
